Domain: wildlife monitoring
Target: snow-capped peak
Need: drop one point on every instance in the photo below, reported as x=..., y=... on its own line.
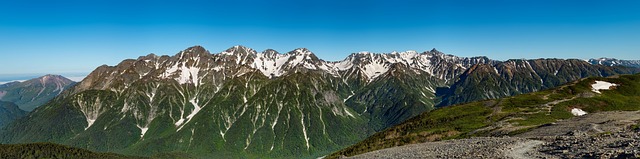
x=364, y=52
x=273, y=64
x=303, y=51
x=239, y=49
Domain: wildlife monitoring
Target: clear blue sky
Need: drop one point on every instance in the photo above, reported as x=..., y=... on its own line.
x=77, y=36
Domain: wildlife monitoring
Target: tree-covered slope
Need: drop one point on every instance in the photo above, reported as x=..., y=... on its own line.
x=9, y=112
x=50, y=150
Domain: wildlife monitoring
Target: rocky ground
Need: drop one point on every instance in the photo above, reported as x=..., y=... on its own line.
x=598, y=135
x=480, y=147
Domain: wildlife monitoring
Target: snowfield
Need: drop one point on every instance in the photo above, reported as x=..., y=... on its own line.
x=601, y=85
x=578, y=112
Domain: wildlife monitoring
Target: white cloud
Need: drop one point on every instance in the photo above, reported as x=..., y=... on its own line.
x=5, y=82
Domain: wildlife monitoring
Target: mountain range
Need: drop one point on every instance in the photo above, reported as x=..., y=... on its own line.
x=615, y=62
x=243, y=104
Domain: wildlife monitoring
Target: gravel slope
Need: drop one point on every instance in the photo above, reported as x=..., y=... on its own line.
x=480, y=147
x=597, y=135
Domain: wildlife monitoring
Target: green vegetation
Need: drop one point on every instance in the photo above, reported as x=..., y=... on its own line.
x=507, y=116
x=636, y=127
x=9, y=112
x=54, y=151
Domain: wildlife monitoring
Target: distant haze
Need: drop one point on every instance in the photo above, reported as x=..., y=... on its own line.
x=6, y=78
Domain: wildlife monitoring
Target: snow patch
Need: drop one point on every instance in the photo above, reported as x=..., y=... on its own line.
x=601, y=85
x=196, y=109
x=186, y=74
x=179, y=122
x=578, y=112
x=91, y=110
x=143, y=130
x=348, y=113
x=345, y=100
x=374, y=70
x=343, y=65
x=89, y=123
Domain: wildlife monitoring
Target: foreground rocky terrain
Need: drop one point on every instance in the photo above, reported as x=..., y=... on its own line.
x=481, y=147
x=598, y=135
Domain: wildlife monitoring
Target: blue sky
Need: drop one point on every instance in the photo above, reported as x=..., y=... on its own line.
x=77, y=36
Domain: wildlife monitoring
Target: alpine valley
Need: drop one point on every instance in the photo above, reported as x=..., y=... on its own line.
x=243, y=104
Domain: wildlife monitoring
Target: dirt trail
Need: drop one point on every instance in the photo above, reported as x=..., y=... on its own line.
x=522, y=150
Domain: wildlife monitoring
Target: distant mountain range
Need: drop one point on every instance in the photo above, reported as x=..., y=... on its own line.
x=18, y=98
x=513, y=77
x=615, y=62
x=34, y=92
x=243, y=104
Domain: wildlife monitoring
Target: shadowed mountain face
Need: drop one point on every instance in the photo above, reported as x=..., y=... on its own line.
x=241, y=103
x=33, y=93
x=9, y=112
x=515, y=77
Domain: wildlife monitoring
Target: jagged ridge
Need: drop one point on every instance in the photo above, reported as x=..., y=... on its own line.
x=241, y=103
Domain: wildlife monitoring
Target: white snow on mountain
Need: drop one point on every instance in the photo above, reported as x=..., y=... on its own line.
x=273, y=64
x=601, y=85
x=578, y=112
x=614, y=62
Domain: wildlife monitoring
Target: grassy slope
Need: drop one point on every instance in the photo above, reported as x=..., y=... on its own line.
x=506, y=116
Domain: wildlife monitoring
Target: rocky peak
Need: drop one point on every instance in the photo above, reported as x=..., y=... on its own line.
x=51, y=78
x=300, y=51
x=193, y=52
x=303, y=54
x=150, y=56
x=240, y=54
x=435, y=51
x=270, y=53
x=240, y=50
